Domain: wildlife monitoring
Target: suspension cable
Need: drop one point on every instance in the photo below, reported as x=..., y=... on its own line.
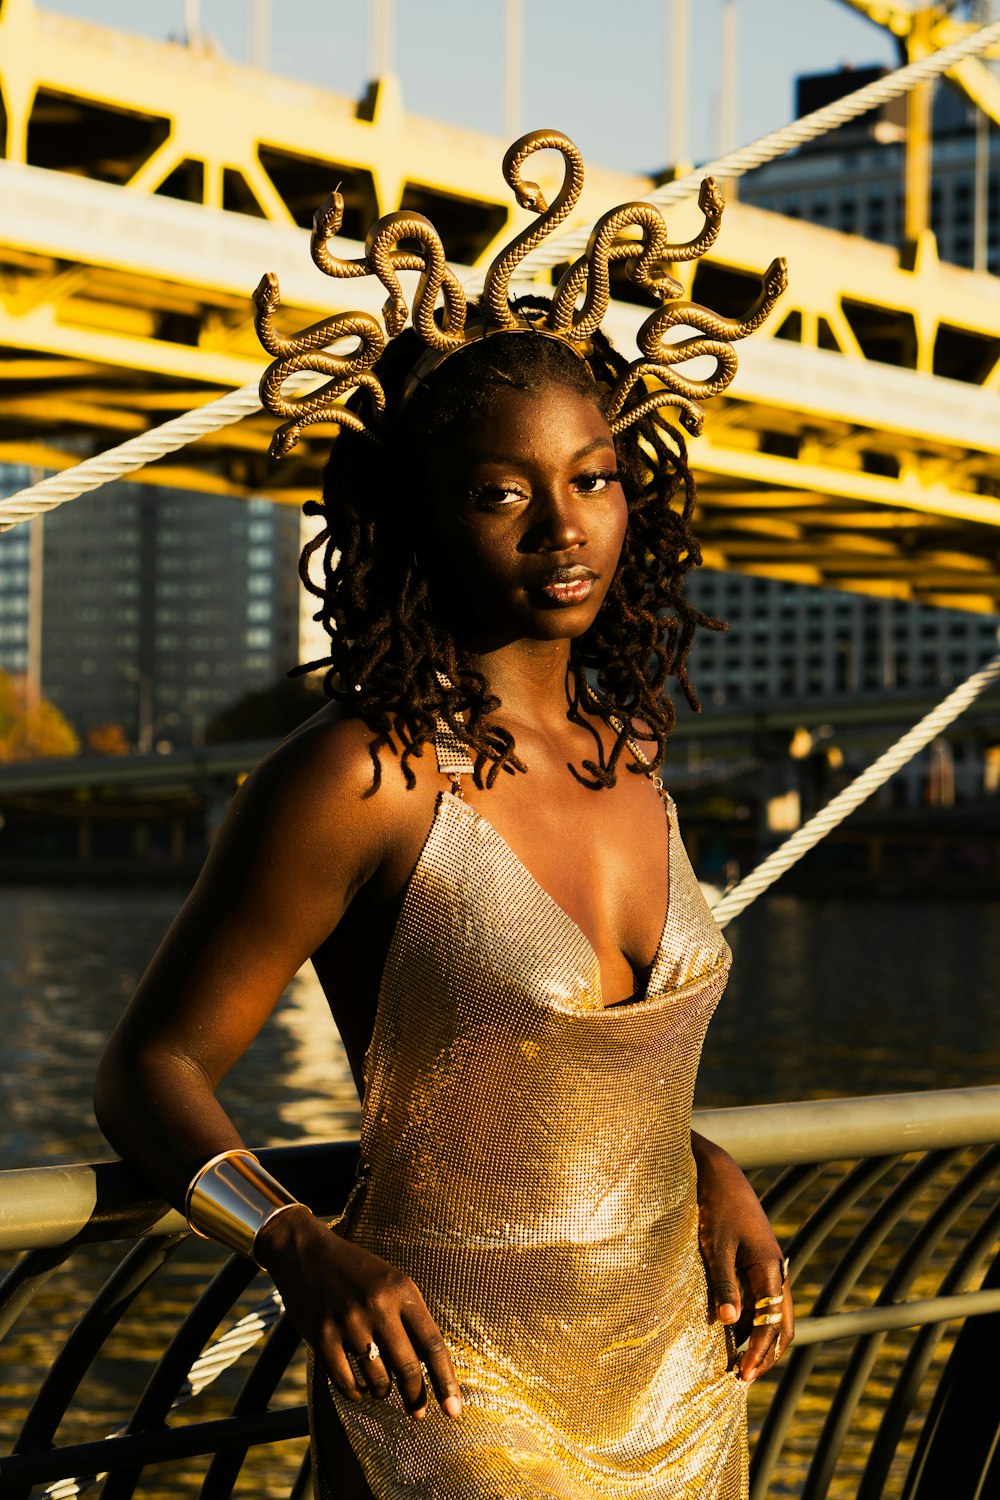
x=559, y=248
x=845, y=802
x=134, y=454
x=168, y=438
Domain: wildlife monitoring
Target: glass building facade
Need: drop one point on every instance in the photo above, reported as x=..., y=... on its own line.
x=150, y=608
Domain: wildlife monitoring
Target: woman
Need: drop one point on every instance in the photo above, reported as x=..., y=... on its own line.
x=516, y=954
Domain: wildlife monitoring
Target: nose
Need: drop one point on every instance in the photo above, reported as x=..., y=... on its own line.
x=560, y=525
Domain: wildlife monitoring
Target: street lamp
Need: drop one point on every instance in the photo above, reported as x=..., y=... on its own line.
x=145, y=685
x=197, y=715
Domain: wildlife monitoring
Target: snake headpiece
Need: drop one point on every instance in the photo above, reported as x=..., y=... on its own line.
x=409, y=242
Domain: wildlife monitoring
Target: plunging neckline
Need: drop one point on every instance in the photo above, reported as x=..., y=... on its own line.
x=562, y=914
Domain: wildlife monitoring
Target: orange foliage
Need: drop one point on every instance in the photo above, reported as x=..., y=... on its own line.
x=107, y=739
x=31, y=730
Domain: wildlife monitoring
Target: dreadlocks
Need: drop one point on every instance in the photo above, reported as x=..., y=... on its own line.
x=394, y=656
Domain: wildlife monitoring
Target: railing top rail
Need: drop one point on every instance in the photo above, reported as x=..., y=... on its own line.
x=43, y=1207
x=48, y=1206
x=769, y=1135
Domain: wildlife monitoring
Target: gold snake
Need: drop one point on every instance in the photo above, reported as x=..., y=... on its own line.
x=692, y=418
x=385, y=260
x=661, y=356
x=692, y=315
x=307, y=350
x=326, y=224
x=382, y=257
x=592, y=270
x=529, y=195
x=713, y=206
x=647, y=259
x=644, y=256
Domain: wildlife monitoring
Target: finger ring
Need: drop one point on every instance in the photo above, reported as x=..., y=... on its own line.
x=784, y=1270
x=777, y=1347
x=372, y=1350
x=766, y=1320
x=767, y=1302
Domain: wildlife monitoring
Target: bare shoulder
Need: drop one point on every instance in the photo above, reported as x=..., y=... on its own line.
x=332, y=755
x=328, y=787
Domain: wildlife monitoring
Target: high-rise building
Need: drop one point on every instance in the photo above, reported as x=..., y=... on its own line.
x=16, y=591
x=852, y=179
x=787, y=642
x=148, y=607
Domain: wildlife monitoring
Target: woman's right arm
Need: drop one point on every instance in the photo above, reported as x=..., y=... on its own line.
x=299, y=841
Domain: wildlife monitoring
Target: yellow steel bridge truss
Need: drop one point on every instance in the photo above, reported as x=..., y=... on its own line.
x=145, y=186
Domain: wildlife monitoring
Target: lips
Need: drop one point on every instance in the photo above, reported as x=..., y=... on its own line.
x=566, y=586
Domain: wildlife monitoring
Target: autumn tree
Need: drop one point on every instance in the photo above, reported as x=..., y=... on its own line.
x=107, y=739
x=31, y=728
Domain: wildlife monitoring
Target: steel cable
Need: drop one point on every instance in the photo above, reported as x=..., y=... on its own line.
x=845, y=802
x=168, y=438
x=171, y=436
x=134, y=454
x=559, y=248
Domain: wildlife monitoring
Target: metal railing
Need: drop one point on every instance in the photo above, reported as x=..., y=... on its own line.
x=887, y=1207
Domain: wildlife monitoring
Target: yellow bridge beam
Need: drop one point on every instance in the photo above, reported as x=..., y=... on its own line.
x=146, y=186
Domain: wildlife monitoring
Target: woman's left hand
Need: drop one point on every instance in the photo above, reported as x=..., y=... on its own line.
x=746, y=1280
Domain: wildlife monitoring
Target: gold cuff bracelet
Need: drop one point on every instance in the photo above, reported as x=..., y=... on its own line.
x=232, y=1197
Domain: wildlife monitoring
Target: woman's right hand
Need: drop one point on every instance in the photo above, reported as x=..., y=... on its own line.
x=343, y=1299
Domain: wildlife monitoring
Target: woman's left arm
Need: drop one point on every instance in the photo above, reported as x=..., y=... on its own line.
x=741, y=1255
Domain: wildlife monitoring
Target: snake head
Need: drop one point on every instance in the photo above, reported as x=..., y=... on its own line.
x=266, y=296
x=692, y=419
x=329, y=216
x=284, y=440
x=658, y=281
x=776, y=278
x=710, y=199
x=395, y=313
x=529, y=195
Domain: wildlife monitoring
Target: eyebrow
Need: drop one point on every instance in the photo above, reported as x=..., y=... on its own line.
x=508, y=458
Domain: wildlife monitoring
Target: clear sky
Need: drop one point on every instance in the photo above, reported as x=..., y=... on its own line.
x=597, y=69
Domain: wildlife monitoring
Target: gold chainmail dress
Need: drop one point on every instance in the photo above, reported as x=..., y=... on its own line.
x=526, y=1158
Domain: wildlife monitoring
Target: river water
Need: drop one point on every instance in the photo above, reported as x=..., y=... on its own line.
x=827, y=998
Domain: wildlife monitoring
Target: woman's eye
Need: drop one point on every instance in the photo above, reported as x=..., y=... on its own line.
x=494, y=496
x=593, y=484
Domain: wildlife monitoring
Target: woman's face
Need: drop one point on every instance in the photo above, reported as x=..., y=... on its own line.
x=529, y=515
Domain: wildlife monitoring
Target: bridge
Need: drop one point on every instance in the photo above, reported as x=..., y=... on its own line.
x=864, y=720
x=145, y=186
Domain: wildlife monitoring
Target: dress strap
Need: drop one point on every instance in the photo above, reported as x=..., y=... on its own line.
x=633, y=748
x=453, y=758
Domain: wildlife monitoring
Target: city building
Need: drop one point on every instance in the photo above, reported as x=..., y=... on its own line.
x=16, y=593
x=852, y=179
x=787, y=642
x=148, y=607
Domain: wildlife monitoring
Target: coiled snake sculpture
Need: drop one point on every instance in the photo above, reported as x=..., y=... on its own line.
x=309, y=351
x=721, y=333
x=643, y=257
x=406, y=241
x=496, y=288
